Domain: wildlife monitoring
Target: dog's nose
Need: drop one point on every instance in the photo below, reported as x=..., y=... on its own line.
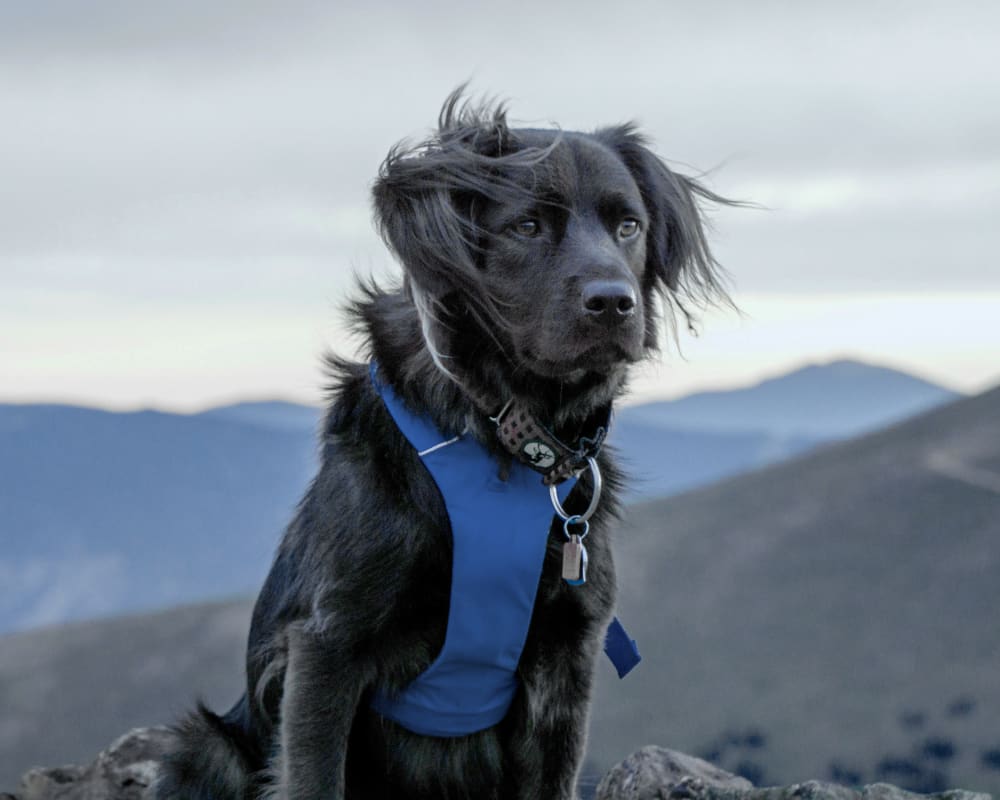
x=609, y=302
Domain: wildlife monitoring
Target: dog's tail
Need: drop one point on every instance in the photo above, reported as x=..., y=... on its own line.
x=212, y=758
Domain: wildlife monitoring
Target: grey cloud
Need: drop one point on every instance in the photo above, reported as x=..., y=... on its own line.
x=215, y=139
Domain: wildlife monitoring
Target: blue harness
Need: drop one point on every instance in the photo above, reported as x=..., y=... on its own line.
x=499, y=533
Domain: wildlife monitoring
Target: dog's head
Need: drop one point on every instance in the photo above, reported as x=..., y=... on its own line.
x=538, y=258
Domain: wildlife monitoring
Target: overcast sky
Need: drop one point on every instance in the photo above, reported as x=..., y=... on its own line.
x=184, y=185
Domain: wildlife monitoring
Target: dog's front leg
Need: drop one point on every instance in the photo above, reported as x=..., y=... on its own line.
x=550, y=727
x=322, y=690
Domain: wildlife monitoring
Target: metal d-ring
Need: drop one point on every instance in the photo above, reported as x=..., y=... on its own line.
x=576, y=519
x=594, y=500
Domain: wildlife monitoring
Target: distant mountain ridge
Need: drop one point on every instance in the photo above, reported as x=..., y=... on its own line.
x=104, y=513
x=279, y=414
x=833, y=399
x=829, y=401
x=676, y=445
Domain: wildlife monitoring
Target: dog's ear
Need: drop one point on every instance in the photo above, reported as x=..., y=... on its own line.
x=426, y=194
x=417, y=216
x=678, y=257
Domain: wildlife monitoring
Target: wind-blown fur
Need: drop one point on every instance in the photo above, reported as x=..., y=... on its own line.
x=525, y=277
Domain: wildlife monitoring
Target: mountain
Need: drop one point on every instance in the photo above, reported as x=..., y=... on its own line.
x=103, y=512
x=829, y=617
x=66, y=690
x=274, y=414
x=676, y=445
x=108, y=513
x=832, y=615
x=661, y=461
x=819, y=401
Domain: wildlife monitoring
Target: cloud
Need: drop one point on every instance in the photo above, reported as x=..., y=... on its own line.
x=162, y=155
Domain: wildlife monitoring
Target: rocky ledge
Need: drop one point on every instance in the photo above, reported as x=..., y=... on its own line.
x=127, y=769
x=655, y=773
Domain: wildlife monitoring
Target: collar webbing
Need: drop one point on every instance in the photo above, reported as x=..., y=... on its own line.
x=535, y=445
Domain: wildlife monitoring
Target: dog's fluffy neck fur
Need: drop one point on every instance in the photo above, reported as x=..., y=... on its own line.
x=392, y=327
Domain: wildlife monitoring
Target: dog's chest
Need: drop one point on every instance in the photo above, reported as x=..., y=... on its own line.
x=500, y=534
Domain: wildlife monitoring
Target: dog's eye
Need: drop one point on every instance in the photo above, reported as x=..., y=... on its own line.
x=628, y=228
x=527, y=227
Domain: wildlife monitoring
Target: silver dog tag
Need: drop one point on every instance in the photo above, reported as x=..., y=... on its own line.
x=574, y=566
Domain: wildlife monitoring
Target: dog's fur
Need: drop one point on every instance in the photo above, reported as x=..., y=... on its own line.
x=501, y=233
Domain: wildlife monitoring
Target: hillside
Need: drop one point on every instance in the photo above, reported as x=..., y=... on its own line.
x=832, y=617
x=67, y=690
x=835, y=612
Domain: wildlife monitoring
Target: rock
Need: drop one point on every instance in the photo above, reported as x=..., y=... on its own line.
x=655, y=773
x=127, y=769
x=124, y=771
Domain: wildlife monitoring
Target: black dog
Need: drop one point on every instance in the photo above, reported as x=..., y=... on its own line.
x=535, y=263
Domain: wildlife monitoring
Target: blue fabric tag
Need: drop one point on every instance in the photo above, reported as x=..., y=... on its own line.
x=622, y=650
